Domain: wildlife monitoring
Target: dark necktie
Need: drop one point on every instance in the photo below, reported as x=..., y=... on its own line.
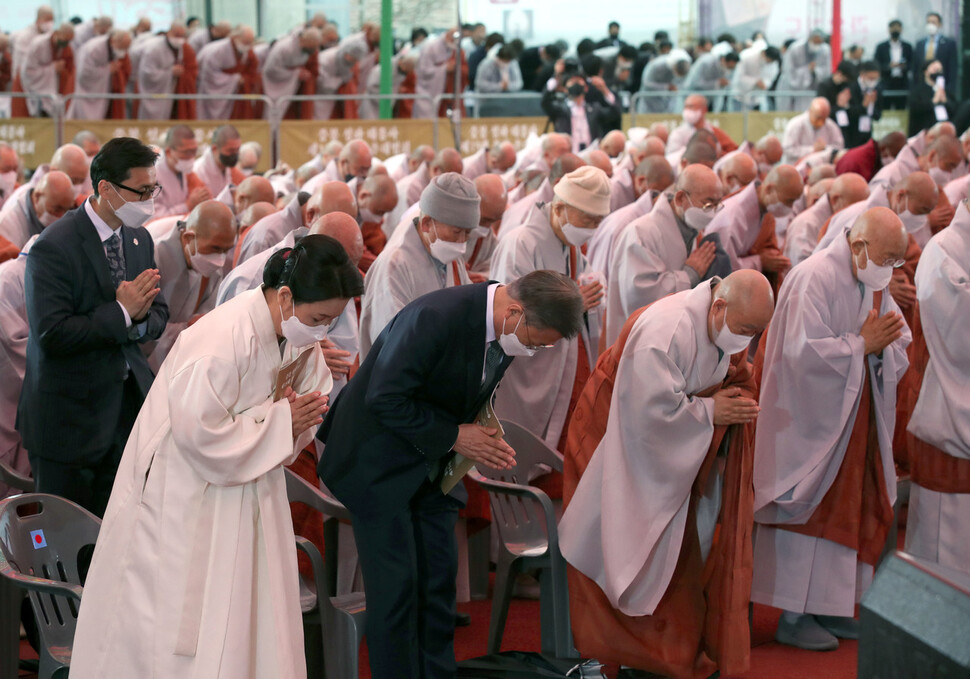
x=116, y=263
x=493, y=359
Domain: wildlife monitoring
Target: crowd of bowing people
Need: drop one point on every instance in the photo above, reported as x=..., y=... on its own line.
x=787, y=314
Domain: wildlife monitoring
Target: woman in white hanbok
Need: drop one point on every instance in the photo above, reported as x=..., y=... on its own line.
x=194, y=574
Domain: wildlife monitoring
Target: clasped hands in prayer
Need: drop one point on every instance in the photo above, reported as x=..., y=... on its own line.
x=306, y=411
x=137, y=296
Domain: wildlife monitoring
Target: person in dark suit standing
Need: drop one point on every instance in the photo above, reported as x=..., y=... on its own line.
x=895, y=57
x=935, y=47
x=865, y=104
x=613, y=40
x=389, y=435
x=92, y=295
x=574, y=110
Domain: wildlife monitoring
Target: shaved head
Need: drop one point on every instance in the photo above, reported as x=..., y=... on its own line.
x=699, y=152
x=739, y=170
x=846, y=190
x=660, y=131
x=817, y=174
x=9, y=160
x=331, y=197
x=816, y=191
x=378, y=194
x=254, y=213
x=354, y=160
x=880, y=233
x=599, y=159
x=892, y=143
x=502, y=157
x=343, y=228
x=652, y=174
x=209, y=218
x=120, y=40
x=563, y=166
x=768, y=150
x=253, y=190
x=422, y=154
x=614, y=143
x=447, y=160
x=818, y=111
x=491, y=189
x=945, y=153
x=555, y=145
x=72, y=161
x=696, y=186
x=920, y=192
x=54, y=194
x=941, y=129
x=787, y=183
x=749, y=300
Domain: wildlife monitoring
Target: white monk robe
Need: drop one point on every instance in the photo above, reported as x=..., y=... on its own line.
x=212, y=175
x=814, y=365
x=397, y=166
x=401, y=273
x=18, y=219
x=956, y=189
x=802, y=234
x=195, y=573
x=600, y=249
x=271, y=229
x=431, y=73
x=331, y=173
x=647, y=264
x=409, y=191
x=334, y=72
x=800, y=137
x=479, y=250
x=738, y=226
x=904, y=165
x=622, y=192
x=155, y=76
x=13, y=361
x=668, y=357
x=476, y=164
x=249, y=275
x=938, y=528
x=281, y=72
x=680, y=135
x=214, y=60
x=843, y=220
x=407, y=218
x=536, y=393
x=186, y=292
x=19, y=44
x=37, y=75
x=173, y=200
x=93, y=61
x=516, y=213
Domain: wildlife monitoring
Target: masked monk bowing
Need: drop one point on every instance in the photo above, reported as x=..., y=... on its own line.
x=825, y=481
x=661, y=593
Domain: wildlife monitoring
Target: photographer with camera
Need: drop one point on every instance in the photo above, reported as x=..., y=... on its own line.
x=581, y=107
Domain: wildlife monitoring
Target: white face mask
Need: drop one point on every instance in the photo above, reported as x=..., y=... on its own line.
x=698, y=218
x=134, y=214
x=176, y=42
x=298, y=333
x=8, y=180
x=481, y=231
x=932, y=29
x=779, y=210
x=729, y=342
x=365, y=216
x=575, y=235
x=445, y=251
x=940, y=176
x=121, y=54
x=46, y=218
x=246, y=171
x=511, y=344
x=873, y=277
x=692, y=116
x=184, y=167
x=913, y=223
x=887, y=159
x=207, y=265
x=46, y=26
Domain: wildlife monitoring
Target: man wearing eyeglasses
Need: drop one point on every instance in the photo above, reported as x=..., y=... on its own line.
x=666, y=250
x=824, y=476
x=92, y=300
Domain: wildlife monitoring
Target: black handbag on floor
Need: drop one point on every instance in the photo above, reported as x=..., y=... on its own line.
x=525, y=665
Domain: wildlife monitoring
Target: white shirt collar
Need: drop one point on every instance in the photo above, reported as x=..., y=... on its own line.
x=489, y=311
x=104, y=231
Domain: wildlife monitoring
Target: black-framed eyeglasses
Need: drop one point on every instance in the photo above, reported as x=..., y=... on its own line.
x=143, y=194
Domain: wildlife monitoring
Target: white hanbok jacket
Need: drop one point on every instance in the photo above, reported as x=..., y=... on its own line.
x=194, y=574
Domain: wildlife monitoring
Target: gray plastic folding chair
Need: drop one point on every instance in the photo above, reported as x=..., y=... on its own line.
x=528, y=540
x=41, y=538
x=332, y=624
x=15, y=479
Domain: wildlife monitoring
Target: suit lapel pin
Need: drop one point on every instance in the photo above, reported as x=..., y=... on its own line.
x=135, y=241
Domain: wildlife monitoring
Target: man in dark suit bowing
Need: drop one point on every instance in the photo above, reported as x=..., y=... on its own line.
x=391, y=431
x=92, y=298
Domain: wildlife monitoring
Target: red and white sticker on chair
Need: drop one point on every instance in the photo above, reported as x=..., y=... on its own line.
x=37, y=539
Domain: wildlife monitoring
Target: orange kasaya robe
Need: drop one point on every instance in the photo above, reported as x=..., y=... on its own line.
x=701, y=623
x=65, y=81
x=855, y=512
x=404, y=108
x=185, y=108
x=727, y=144
x=303, y=110
x=6, y=74
x=930, y=467
x=767, y=241
x=8, y=250
x=348, y=109
x=119, y=85
x=447, y=103
x=250, y=82
x=374, y=241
